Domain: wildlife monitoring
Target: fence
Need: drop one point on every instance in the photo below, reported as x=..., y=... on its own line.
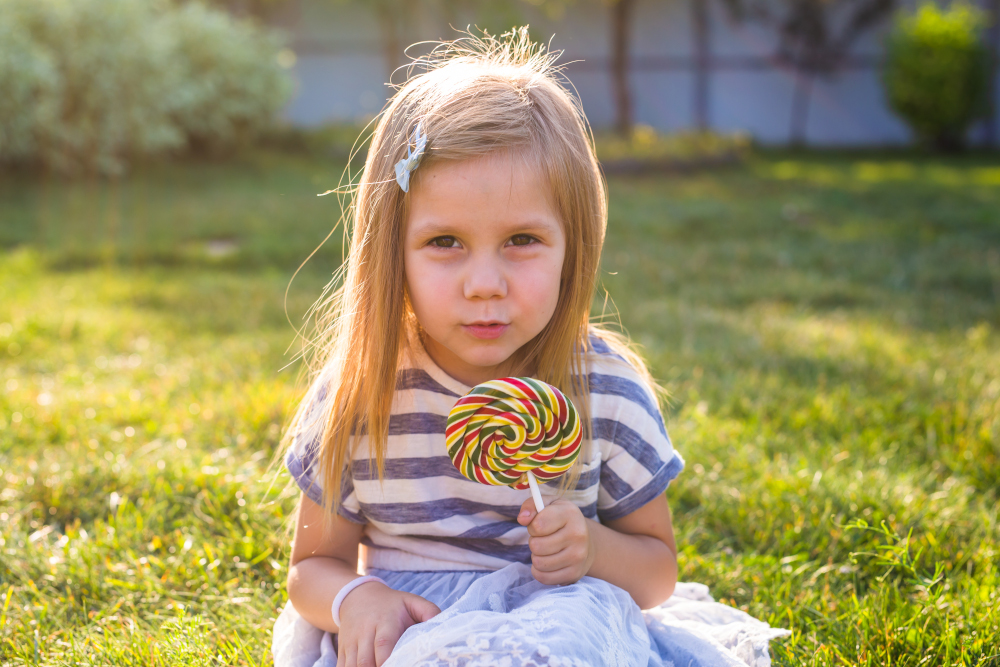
x=691, y=65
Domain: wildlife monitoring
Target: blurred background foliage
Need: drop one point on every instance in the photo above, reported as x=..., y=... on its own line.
x=937, y=74
x=92, y=85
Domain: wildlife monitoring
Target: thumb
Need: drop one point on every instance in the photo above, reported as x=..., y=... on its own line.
x=527, y=512
x=420, y=609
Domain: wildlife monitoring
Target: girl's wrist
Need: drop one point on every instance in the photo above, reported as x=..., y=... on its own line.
x=339, y=600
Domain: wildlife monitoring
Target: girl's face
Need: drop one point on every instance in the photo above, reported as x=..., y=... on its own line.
x=483, y=256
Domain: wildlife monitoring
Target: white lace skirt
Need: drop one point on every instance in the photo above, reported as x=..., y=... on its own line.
x=507, y=618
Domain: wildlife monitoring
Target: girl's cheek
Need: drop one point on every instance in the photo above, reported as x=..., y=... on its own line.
x=539, y=278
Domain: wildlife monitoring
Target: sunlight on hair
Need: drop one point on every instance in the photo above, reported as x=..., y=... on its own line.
x=475, y=96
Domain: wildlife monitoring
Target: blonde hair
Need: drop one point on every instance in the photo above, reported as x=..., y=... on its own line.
x=476, y=96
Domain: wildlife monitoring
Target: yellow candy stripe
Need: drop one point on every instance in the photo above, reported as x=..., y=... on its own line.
x=503, y=428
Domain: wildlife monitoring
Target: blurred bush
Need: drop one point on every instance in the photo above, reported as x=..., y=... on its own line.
x=88, y=85
x=230, y=83
x=334, y=140
x=648, y=150
x=937, y=72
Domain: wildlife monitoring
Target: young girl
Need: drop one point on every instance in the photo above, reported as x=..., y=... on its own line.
x=478, y=228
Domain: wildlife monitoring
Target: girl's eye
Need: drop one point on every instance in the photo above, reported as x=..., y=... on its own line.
x=522, y=239
x=444, y=242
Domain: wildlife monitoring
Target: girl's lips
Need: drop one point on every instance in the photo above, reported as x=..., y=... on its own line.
x=485, y=331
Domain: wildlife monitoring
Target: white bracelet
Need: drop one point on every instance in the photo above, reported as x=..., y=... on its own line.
x=354, y=583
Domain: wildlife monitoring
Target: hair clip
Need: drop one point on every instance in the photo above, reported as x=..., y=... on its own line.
x=405, y=166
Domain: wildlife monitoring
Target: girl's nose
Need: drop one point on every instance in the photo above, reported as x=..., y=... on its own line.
x=485, y=279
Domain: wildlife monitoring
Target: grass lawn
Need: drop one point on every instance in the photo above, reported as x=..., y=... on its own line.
x=828, y=327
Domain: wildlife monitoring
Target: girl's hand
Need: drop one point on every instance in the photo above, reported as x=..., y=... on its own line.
x=374, y=617
x=562, y=548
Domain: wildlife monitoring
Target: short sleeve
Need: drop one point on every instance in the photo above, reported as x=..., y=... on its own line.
x=302, y=458
x=638, y=459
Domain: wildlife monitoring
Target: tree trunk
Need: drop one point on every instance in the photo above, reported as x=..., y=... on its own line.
x=800, y=108
x=236, y=7
x=621, y=12
x=392, y=48
x=699, y=20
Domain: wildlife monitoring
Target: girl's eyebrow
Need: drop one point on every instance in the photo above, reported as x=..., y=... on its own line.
x=533, y=226
x=434, y=229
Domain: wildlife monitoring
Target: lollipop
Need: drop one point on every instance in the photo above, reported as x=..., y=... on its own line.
x=507, y=432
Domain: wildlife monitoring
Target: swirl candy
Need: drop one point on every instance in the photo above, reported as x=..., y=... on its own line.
x=512, y=430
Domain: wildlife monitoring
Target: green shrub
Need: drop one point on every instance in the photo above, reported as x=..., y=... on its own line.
x=91, y=90
x=230, y=84
x=28, y=79
x=936, y=72
x=88, y=85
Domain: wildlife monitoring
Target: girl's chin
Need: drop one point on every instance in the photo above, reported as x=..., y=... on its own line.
x=483, y=367
x=470, y=358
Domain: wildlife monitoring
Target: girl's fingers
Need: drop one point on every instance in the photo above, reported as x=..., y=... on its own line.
x=546, y=522
x=385, y=640
x=564, y=559
x=527, y=512
x=366, y=652
x=420, y=609
x=546, y=546
x=567, y=536
x=566, y=575
x=350, y=653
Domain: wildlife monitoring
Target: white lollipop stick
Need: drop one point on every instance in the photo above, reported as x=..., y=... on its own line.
x=536, y=495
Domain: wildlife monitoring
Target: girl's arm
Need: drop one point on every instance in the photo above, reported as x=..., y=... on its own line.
x=374, y=616
x=321, y=564
x=636, y=552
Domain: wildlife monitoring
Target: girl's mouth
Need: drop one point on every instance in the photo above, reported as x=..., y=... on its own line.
x=485, y=330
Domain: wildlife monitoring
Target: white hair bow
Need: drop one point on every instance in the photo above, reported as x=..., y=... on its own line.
x=406, y=166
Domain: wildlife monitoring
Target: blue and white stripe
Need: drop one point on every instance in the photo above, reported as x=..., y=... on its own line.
x=424, y=515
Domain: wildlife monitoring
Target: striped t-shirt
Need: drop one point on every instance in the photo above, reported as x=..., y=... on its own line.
x=424, y=515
